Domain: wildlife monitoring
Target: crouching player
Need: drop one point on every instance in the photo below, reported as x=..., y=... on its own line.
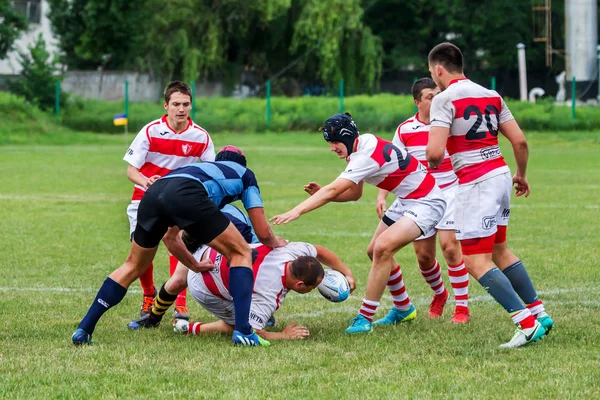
x=296, y=266
x=388, y=167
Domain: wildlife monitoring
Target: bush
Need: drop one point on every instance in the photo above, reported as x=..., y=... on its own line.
x=37, y=81
x=378, y=113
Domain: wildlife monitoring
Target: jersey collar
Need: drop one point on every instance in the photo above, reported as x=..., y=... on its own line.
x=190, y=123
x=457, y=80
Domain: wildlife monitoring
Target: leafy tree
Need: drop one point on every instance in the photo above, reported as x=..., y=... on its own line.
x=12, y=24
x=97, y=33
x=38, y=76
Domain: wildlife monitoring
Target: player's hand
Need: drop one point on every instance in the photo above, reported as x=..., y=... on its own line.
x=279, y=242
x=380, y=207
x=312, y=188
x=293, y=331
x=285, y=218
x=202, y=266
x=351, y=282
x=521, y=185
x=153, y=179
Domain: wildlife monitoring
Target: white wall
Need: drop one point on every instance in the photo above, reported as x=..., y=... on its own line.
x=10, y=65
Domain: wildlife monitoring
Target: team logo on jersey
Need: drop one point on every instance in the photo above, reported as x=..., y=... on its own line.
x=163, y=133
x=488, y=222
x=490, y=152
x=414, y=128
x=186, y=148
x=130, y=151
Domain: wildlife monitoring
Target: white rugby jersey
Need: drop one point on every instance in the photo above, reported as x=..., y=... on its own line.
x=269, y=278
x=402, y=175
x=473, y=114
x=413, y=134
x=158, y=150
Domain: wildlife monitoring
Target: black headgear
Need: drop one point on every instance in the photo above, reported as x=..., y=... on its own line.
x=341, y=128
x=231, y=153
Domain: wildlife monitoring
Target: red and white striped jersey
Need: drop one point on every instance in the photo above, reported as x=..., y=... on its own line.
x=158, y=150
x=413, y=134
x=382, y=164
x=473, y=114
x=269, y=278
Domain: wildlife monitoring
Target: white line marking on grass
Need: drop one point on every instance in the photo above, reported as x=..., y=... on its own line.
x=72, y=198
x=552, y=205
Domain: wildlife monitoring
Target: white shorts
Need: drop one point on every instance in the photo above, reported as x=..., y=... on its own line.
x=220, y=308
x=426, y=212
x=480, y=207
x=132, y=210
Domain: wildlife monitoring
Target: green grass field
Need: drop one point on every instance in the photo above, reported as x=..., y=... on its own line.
x=64, y=229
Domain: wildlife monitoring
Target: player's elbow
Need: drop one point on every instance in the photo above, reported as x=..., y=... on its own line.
x=434, y=157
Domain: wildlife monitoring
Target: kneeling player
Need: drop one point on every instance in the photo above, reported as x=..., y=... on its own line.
x=388, y=167
x=296, y=267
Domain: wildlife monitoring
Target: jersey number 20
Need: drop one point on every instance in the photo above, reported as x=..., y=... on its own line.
x=473, y=133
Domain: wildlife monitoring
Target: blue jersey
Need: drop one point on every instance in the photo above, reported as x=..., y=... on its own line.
x=241, y=222
x=224, y=181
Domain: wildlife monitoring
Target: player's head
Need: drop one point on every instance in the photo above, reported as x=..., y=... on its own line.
x=423, y=91
x=178, y=101
x=231, y=153
x=445, y=59
x=305, y=274
x=341, y=133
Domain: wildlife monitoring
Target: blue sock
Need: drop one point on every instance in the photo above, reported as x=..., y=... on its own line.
x=241, y=281
x=499, y=287
x=110, y=294
x=521, y=282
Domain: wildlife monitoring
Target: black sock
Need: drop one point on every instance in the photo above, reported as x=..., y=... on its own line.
x=110, y=294
x=162, y=302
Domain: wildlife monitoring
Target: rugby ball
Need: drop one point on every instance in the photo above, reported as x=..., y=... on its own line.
x=334, y=286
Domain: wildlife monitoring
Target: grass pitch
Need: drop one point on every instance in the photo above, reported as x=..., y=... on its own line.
x=64, y=229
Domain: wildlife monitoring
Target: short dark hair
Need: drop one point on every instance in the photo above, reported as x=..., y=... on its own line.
x=419, y=85
x=448, y=55
x=307, y=269
x=177, y=87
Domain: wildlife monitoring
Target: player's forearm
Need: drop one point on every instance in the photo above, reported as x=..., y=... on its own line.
x=521, y=152
x=136, y=177
x=382, y=194
x=332, y=260
x=176, y=247
x=319, y=199
x=272, y=335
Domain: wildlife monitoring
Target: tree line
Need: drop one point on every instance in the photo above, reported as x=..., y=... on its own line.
x=294, y=41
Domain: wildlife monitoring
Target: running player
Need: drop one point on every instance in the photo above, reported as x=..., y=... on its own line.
x=413, y=135
x=163, y=145
x=296, y=267
x=189, y=199
x=466, y=119
x=388, y=167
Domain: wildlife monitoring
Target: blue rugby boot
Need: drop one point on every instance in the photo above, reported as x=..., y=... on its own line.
x=239, y=339
x=396, y=316
x=360, y=325
x=547, y=322
x=80, y=337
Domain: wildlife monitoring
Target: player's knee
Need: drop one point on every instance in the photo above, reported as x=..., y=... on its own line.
x=425, y=259
x=176, y=284
x=370, y=251
x=452, y=252
x=382, y=250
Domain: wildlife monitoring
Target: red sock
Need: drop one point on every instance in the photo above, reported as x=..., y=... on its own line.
x=397, y=289
x=459, y=279
x=194, y=328
x=180, y=301
x=536, y=307
x=147, y=281
x=368, y=309
x=523, y=318
x=433, y=276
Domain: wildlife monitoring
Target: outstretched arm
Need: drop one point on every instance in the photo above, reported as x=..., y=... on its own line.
x=332, y=260
x=290, y=332
x=351, y=194
x=263, y=231
x=320, y=198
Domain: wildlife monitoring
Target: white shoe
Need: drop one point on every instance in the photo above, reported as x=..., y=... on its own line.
x=523, y=337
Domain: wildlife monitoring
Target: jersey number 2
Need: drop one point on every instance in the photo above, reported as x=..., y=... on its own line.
x=402, y=162
x=472, y=134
